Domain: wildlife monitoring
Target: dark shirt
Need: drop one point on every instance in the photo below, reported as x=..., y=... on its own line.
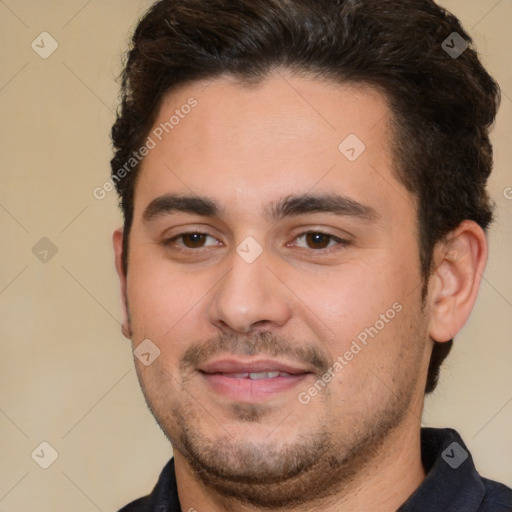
x=452, y=483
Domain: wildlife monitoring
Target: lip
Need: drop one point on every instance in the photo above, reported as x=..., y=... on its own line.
x=232, y=365
x=246, y=389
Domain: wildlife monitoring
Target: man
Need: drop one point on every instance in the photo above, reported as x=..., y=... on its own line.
x=303, y=189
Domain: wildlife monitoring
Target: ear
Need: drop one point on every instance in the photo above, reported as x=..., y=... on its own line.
x=459, y=264
x=117, y=239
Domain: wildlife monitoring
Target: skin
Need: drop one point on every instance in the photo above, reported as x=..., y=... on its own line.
x=356, y=444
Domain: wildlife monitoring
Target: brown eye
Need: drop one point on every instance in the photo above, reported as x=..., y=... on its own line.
x=190, y=240
x=193, y=240
x=317, y=240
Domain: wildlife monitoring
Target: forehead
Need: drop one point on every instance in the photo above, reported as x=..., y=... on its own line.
x=286, y=135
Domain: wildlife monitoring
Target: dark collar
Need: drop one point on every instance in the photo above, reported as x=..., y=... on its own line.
x=452, y=483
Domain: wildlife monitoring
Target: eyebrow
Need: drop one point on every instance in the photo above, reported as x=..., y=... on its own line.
x=289, y=206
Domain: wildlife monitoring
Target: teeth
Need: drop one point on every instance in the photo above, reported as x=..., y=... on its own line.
x=257, y=375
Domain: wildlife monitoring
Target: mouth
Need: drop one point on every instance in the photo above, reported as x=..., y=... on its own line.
x=255, y=375
x=252, y=380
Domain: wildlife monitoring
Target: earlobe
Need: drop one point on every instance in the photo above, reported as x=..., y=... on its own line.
x=117, y=239
x=460, y=261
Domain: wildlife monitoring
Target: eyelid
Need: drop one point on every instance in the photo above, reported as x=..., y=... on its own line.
x=340, y=241
x=168, y=241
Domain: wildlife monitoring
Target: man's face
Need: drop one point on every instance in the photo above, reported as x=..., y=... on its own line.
x=260, y=304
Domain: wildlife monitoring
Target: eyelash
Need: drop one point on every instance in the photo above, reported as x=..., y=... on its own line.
x=340, y=241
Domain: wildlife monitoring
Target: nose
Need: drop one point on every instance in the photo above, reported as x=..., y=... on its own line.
x=250, y=296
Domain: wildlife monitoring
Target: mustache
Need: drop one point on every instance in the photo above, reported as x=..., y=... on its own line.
x=263, y=343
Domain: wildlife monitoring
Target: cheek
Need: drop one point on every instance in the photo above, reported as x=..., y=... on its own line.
x=157, y=297
x=351, y=298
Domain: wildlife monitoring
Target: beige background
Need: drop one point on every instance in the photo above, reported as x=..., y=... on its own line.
x=66, y=374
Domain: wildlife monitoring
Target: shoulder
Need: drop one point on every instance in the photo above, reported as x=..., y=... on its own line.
x=139, y=505
x=497, y=498
x=163, y=497
x=452, y=481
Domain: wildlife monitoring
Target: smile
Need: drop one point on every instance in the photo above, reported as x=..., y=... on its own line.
x=256, y=375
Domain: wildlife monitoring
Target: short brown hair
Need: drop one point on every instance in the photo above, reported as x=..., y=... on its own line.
x=443, y=105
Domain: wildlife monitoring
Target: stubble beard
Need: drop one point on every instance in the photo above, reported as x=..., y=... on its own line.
x=316, y=467
x=313, y=467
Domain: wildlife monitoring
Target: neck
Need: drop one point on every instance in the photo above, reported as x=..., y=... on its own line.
x=383, y=484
